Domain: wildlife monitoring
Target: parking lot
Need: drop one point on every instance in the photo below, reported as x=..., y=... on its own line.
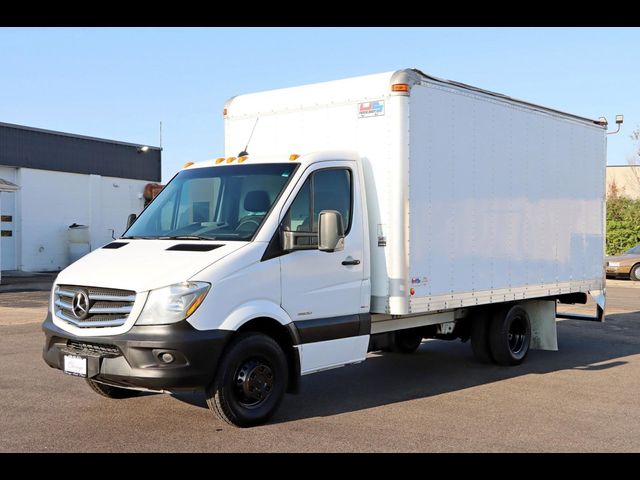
x=585, y=397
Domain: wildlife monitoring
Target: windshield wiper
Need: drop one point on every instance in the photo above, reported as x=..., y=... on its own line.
x=136, y=237
x=185, y=237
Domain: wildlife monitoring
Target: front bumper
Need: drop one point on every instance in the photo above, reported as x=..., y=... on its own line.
x=133, y=359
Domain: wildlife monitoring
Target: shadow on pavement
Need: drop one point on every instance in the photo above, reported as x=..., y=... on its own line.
x=440, y=367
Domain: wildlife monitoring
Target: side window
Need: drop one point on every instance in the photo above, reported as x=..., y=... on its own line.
x=324, y=190
x=299, y=217
x=332, y=191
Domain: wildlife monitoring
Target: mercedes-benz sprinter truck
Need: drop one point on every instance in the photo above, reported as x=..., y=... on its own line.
x=344, y=217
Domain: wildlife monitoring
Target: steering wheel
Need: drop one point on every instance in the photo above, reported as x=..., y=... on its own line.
x=245, y=222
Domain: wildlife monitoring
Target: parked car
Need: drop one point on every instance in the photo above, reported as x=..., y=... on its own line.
x=626, y=265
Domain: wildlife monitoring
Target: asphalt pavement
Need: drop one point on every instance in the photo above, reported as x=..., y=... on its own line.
x=585, y=397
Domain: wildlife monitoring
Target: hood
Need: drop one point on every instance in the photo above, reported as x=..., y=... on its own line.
x=142, y=265
x=629, y=258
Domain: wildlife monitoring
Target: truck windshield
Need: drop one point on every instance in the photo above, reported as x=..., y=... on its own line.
x=213, y=203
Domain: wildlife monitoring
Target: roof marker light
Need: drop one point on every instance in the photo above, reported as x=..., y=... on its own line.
x=294, y=157
x=400, y=87
x=230, y=159
x=219, y=160
x=188, y=164
x=242, y=158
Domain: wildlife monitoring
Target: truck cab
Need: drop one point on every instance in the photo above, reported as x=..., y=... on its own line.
x=264, y=256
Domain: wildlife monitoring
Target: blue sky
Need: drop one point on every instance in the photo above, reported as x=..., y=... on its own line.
x=120, y=83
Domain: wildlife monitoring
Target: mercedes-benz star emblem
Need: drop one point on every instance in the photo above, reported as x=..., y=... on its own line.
x=80, y=305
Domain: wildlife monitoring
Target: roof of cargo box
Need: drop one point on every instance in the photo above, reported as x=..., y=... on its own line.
x=366, y=87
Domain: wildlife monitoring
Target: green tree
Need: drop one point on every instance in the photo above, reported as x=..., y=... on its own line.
x=623, y=222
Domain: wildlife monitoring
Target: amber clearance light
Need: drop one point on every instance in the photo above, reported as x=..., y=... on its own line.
x=400, y=87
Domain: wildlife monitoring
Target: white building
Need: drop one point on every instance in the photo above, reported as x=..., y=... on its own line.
x=51, y=180
x=626, y=179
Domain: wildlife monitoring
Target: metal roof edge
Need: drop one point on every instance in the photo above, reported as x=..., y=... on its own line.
x=73, y=135
x=505, y=97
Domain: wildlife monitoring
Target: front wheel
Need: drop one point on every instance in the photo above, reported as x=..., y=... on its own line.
x=250, y=382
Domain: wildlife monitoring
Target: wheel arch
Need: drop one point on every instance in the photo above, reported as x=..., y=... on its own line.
x=270, y=319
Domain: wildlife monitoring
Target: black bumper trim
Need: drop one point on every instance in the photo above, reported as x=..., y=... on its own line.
x=196, y=354
x=333, y=328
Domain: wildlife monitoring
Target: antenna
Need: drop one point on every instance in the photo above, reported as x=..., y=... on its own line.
x=160, y=134
x=244, y=152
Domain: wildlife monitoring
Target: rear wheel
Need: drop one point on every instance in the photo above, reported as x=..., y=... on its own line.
x=251, y=381
x=635, y=273
x=111, y=392
x=510, y=335
x=406, y=341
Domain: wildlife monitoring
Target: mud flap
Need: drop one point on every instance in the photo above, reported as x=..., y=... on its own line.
x=542, y=315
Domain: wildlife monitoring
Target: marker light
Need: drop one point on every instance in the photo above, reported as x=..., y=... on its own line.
x=412, y=291
x=224, y=112
x=400, y=87
x=242, y=158
x=230, y=159
x=293, y=157
x=219, y=160
x=188, y=164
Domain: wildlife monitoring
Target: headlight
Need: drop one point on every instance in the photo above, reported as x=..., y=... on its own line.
x=614, y=264
x=173, y=303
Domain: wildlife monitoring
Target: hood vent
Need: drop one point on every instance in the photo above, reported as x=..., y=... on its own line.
x=113, y=245
x=194, y=247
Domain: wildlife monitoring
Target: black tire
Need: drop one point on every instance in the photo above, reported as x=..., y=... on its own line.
x=510, y=335
x=480, y=338
x=250, y=382
x=406, y=341
x=634, y=274
x=111, y=392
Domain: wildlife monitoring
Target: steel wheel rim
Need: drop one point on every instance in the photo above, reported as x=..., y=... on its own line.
x=253, y=382
x=517, y=335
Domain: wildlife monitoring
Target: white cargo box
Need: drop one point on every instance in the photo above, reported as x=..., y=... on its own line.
x=473, y=197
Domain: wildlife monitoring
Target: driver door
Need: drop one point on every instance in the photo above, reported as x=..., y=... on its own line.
x=322, y=291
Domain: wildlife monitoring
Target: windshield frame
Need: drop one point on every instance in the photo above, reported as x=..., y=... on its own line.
x=267, y=215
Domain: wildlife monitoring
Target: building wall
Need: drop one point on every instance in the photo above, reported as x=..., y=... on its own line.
x=626, y=178
x=49, y=202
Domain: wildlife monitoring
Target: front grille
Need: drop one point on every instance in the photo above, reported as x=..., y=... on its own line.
x=107, y=307
x=93, y=348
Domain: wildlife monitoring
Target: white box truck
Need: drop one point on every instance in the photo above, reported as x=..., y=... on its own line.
x=349, y=216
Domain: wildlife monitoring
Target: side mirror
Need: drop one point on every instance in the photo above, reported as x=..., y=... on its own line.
x=330, y=231
x=130, y=219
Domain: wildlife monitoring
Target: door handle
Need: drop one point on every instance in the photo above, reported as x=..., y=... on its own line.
x=351, y=262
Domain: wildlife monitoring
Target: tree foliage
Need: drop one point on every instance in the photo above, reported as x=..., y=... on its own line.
x=623, y=222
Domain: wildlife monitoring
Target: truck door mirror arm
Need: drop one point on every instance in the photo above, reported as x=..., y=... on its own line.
x=330, y=236
x=130, y=219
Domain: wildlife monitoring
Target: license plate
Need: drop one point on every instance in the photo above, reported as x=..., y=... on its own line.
x=75, y=365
